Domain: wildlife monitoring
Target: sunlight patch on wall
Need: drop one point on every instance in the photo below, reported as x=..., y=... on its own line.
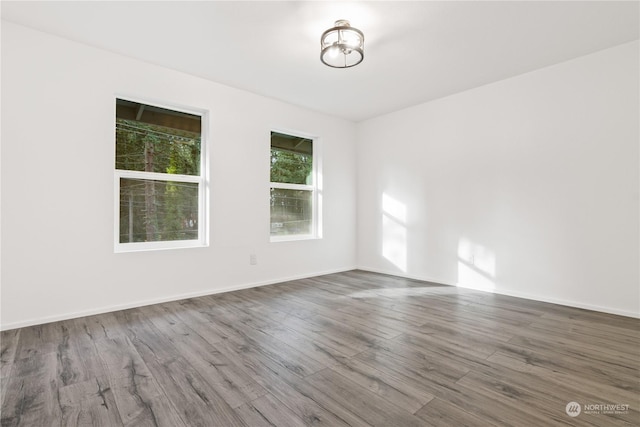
x=394, y=232
x=476, y=266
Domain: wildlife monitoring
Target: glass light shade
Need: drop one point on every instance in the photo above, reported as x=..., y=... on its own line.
x=342, y=46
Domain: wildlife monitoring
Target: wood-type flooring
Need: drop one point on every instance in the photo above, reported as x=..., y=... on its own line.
x=346, y=349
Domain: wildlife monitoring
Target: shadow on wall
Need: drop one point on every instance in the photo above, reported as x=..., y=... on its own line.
x=476, y=266
x=394, y=232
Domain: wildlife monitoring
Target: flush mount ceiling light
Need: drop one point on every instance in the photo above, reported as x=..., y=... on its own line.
x=342, y=46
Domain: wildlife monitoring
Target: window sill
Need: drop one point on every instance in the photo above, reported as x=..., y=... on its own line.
x=158, y=246
x=293, y=238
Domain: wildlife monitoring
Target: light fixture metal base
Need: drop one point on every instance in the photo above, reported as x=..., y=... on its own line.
x=342, y=46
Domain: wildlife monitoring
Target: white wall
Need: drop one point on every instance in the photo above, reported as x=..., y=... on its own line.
x=535, y=177
x=527, y=187
x=58, y=100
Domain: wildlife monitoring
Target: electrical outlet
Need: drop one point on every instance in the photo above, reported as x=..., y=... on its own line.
x=253, y=259
x=472, y=260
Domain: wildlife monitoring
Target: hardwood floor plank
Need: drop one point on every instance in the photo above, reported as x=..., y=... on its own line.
x=39, y=339
x=375, y=410
x=419, y=355
x=339, y=343
x=345, y=349
x=288, y=388
x=41, y=364
x=268, y=411
x=526, y=399
x=160, y=315
x=475, y=345
x=564, y=386
x=148, y=342
x=598, y=319
x=481, y=317
x=512, y=306
x=465, y=328
x=449, y=349
x=4, y=382
x=390, y=388
x=329, y=299
x=440, y=413
x=580, y=350
x=120, y=358
x=72, y=364
x=208, y=331
x=310, y=345
x=101, y=326
x=590, y=346
x=191, y=310
x=139, y=399
x=233, y=385
x=507, y=315
x=32, y=392
x=408, y=308
x=576, y=334
x=586, y=330
x=625, y=378
x=8, y=348
x=277, y=351
x=88, y=403
x=141, y=402
x=429, y=376
x=365, y=311
x=193, y=397
x=196, y=401
x=320, y=310
x=489, y=409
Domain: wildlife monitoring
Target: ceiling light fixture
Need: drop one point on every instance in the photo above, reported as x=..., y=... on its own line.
x=342, y=46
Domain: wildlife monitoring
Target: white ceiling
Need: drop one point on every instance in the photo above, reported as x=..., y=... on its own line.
x=414, y=51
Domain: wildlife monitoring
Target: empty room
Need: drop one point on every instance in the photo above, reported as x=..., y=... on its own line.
x=323, y=213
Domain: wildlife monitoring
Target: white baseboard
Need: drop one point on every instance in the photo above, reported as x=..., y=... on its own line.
x=177, y=297
x=516, y=294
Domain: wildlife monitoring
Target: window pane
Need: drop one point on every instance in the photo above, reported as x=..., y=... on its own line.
x=291, y=212
x=152, y=211
x=154, y=139
x=291, y=159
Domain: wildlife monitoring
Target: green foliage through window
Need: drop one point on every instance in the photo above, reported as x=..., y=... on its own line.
x=290, y=167
x=152, y=139
x=172, y=214
x=152, y=148
x=292, y=185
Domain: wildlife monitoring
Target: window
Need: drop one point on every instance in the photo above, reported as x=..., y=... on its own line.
x=294, y=187
x=159, y=178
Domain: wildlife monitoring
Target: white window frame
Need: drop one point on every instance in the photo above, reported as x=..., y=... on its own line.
x=202, y=180
x=315, y=188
